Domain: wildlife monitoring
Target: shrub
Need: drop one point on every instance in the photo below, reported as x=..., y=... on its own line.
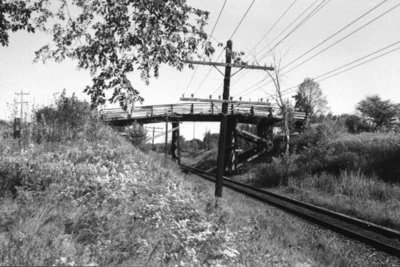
x=65, y=121
x=355, y=124
x=275, y=173
x=137, y=134
x=373, y=154
x=316, y=135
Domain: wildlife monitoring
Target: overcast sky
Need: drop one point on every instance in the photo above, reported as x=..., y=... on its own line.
x=380, y=76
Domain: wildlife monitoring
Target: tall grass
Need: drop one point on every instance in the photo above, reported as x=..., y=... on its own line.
x=352, y=193
x=355, y=174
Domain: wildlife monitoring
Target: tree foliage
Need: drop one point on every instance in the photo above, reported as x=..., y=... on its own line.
x=380, y=112
x=64, y=121
x=284, y=106
x=115, y=38
x=310, y=99
x=20, y=15
x=355, y=124
x=210, y=140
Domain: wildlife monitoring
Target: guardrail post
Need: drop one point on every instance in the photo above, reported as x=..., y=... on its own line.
x=252, y=110
x=172, y=109
x=151, y=112
x=191, y=109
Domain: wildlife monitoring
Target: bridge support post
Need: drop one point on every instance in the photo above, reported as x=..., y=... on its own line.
x=166, y=142
x=261, y=133
x=175, y=148
x=264, y=130
x=231, y=145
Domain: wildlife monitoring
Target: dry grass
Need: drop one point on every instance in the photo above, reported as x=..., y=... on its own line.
x=97, y=200
x=266, y=236
x=351, y=193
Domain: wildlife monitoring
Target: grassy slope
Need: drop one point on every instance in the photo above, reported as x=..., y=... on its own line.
x=357, y=190
x=102, y=202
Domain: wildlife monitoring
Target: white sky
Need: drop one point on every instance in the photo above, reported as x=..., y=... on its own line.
x=381, y=76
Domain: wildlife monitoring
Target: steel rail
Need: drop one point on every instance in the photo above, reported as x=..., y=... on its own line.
x=381, y=238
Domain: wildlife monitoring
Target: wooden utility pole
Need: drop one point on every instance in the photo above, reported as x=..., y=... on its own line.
x=18, y=133
x=22, y=102
x=223, y=124
x=152, y=141
x=223, y=135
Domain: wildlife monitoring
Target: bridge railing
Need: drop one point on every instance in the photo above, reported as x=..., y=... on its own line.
x=207, y=108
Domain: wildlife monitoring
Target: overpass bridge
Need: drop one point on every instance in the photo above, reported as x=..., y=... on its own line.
x=261, y=114
x=243, y=112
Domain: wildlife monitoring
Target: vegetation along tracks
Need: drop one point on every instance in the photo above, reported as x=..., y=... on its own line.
x=381, y=238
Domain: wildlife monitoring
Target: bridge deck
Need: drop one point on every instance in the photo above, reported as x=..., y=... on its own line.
x=244, y=113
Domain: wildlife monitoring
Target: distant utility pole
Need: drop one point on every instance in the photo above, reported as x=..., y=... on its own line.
x=22, y=102
x=152, y=142
x=18, y=123
x=224, y=117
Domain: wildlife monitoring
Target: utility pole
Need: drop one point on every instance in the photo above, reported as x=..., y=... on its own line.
x=18, y=123
x=223, y=136
x=152, y=142
x=22, y=102
x=223, y=124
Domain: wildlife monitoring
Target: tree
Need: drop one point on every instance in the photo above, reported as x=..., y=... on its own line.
x=137, y=134
x=310, y=99
x=210, y=140
x=379, y=112
x=21, y=15
x=113, y=38
x=284, y=106
x=65, y=120
x=355, y=124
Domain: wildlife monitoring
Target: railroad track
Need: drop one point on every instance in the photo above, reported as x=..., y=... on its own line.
x=381, y=238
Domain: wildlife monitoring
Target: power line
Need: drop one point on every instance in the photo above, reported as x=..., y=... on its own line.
x=345, y=37
x=241, y=20
x=359, y=59
x=212, y=32
x=360, y=64
x=318, y=78
x=336, y=33
x=272, y=27
x=261, y=39
x=233, y=33
x=309, y=16
x=316, y=9
x=206, y=76
x=289, y=25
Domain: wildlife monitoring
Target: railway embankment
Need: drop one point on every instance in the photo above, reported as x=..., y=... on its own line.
x=97, y=200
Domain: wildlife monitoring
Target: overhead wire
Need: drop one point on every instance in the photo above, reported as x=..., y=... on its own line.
x=272, y=27
x=242, y=19
x=233, y=34
x=336, y=33
x=288, y=26
x=312, y=13
x=316, y=9
x=321, y=77
x=210, y=36
x=345, y=37
x=261, y=39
